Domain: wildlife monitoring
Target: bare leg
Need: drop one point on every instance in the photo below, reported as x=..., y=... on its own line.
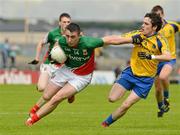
x=65, y=92
x=43, y=81
x=131, y=99
x=158, y=90
x=47, y=95
x=116, y=92
x=120, y=111
x=162, y=89
x=164, y=77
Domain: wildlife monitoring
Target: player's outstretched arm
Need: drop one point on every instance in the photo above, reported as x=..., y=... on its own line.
x=118, y=40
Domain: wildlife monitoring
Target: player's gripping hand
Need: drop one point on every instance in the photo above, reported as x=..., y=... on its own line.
x=52, y=61
x=34, y=62
x=137, y=39
x=144, y=55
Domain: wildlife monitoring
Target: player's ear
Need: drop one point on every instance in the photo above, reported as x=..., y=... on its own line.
x=154, y=28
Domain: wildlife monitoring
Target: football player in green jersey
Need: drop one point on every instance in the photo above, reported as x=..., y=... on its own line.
x=168, y=30
x=76, y=73
x=46, y=68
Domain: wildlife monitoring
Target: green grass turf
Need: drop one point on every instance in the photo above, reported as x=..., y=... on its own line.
x=85, y=115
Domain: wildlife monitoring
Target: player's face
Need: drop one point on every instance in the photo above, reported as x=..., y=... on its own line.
x=72, y=38
x=147, y=29
x=64, y=22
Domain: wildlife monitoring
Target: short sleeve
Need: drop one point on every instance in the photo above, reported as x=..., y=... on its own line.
x=130, y=34
x=91, y=42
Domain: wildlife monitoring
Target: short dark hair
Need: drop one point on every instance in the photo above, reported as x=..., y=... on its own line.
x=64, y=15
x=73, y=27
x=155, y=20
x=157, y=8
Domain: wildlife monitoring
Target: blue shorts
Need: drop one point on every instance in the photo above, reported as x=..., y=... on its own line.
x=161, y=64
x=140, y=85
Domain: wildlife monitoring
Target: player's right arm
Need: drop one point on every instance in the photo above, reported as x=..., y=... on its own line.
x=118, y=40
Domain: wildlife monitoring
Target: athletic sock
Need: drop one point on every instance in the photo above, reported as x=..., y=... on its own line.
x=109, y=120
x=166, y=94
x=35, y=118
x=34, y=109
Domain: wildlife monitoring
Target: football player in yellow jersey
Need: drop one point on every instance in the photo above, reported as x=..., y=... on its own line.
x=139, y=76
x=168, y=30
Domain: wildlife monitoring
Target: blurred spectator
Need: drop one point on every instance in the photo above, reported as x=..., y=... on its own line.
x=12, y=55
x=4, y=53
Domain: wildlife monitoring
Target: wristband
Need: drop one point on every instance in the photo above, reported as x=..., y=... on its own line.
x=153, y=57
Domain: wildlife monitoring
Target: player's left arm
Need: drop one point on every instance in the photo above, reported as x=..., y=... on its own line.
x=164, y=56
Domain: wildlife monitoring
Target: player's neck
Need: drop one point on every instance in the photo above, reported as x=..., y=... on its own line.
x=151, y=34
x=163, y=22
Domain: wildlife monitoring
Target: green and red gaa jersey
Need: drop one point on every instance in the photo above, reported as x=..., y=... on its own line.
x=81, y=58
x=50, y=39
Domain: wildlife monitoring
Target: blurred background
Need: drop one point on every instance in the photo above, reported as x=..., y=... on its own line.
x=24, y=22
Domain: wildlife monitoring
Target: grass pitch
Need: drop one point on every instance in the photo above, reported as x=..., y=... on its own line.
x=85, y=115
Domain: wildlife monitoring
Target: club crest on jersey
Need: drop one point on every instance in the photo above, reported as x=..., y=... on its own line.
x=85, y=52
x=153, y=46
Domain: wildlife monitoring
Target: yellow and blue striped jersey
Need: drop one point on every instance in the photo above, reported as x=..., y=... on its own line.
x=154, y=45
x=168, y=31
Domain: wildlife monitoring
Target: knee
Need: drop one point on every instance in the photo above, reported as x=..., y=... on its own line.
x=40, y=88
x=46, y=96
x=111, y=99
x=163, y=77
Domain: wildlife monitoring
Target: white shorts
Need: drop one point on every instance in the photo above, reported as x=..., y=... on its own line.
x=49, y=68
x=64, y=75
